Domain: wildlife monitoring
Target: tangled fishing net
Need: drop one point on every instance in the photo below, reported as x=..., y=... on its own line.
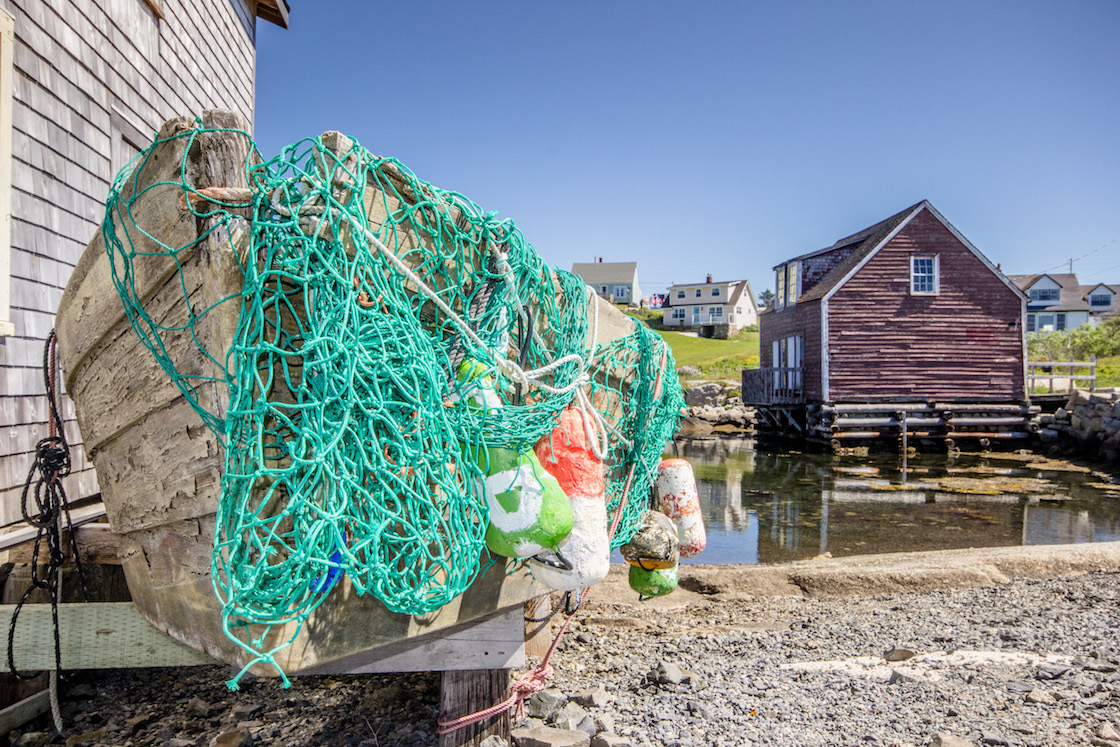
x=346, y=437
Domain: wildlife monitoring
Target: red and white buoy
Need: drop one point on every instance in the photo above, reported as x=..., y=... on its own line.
x=567, y=455
x=677, y=498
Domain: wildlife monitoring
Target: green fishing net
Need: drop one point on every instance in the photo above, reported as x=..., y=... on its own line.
x=346, y=431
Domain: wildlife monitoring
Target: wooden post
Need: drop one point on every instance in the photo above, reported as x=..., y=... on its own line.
x=1093, y=372
x=468, y=691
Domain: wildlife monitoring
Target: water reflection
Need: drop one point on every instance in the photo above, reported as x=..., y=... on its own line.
x=770, y=507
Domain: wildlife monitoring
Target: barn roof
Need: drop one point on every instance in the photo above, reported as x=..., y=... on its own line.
x=867, y=239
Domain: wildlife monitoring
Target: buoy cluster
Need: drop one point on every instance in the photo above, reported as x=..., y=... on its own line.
x=548, y=505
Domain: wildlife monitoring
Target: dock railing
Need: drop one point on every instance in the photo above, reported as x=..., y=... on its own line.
x=1049, y=377
x=773, y=386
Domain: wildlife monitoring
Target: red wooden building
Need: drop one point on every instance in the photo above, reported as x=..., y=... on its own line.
x=904, y=322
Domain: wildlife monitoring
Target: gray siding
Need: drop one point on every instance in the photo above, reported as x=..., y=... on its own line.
x=91, y=78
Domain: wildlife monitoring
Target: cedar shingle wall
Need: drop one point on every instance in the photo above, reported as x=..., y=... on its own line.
x=963, y=344
x=85, y=72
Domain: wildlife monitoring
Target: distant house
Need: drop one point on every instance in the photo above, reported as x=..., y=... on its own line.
x=1060, y=302
x=83, y=86
x=615, y=281
x=906, y=313
x=712, y=309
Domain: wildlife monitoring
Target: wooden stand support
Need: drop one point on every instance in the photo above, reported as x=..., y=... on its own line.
x=468, y=691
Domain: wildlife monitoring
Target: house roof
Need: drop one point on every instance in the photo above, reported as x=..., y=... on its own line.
x=714, y=282
x=606, y=272
x=867, y=239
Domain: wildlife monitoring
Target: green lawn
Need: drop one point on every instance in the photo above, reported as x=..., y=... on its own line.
x=714, y=359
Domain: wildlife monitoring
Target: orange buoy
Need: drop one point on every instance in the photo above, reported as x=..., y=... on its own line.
x=567, y=455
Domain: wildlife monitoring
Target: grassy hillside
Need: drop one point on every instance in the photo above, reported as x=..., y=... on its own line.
x=712, y=359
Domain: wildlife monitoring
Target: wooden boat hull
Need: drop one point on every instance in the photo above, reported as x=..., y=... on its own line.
x=159, y=467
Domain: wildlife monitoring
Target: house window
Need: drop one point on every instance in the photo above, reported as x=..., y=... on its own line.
x=1045, y=294
x=716, y=311
x=678, y=313
x=1100, y=300
x=791, y=284
x=1030, y=322
x=923, y=275
x=621, y=291
x=1059, y=321
x=602, y=289
x=715, y=292
x=680, y=294
x=738, y=309
x=1045, y=322
x=780, y=288
x=7, y=45
x=699, y=292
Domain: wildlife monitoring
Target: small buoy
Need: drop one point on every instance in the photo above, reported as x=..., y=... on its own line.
x=677, y=499
x=528, y=510
x=655, y=545
x=653, y=583
x=566, y=453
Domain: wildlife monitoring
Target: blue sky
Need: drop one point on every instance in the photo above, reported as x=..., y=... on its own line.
x=724, y=137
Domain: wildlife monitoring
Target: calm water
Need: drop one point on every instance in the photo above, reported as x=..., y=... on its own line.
x=769, y=507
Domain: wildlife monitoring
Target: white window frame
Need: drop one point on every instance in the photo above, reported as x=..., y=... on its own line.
x=1052, y=294
x=621, y=291
x=699, y=292
x=696, y=315
x=680, y=294
x=1044, y=320
x=935, y=274
x=1106, y=304
x=678, y=313
x=715, y=292
x=1059, y=321
x=780, y=287
x=716, y=312
x=7, y=71
x=1030, y=322
x=793, y=281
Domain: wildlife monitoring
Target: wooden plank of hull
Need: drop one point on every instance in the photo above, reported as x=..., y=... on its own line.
x=159, y=467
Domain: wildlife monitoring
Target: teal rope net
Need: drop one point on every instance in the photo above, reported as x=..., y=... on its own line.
x=347, y=438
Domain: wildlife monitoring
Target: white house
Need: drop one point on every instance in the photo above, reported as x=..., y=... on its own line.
x=615, y=281
x=1060, y=302
x=713, y=309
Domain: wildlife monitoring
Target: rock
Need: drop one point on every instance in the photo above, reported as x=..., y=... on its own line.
x=1041, y=697
x=545, y=736
x=198, y=707
x=667, y=673
x=693, y=426
x=235, y=737
x=81, y=691
x=97, y=735
x=610, y=740
x=572, y=717
x=596, y=698
x=944, y=739
x=246, y=710
x=1108, y=732
x=898, y=677
x=990, y=737
x=705, y=394
x=493, y=741
x=898, y=654
x=179, y=742
x=1050, y=672
x=32, y=739
x=545, y=703
x=139, y=723
x=700, y=710
x=604, y=722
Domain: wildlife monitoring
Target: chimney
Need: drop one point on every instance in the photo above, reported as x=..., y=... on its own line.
x=709, y=279
x=600, y=260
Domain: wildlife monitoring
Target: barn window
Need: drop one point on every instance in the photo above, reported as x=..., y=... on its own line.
x=780, y=288
x=923, y=275
x=7, y=44
x=791, y=284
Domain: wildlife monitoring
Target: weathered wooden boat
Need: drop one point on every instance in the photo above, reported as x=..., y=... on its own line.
x=189, y=215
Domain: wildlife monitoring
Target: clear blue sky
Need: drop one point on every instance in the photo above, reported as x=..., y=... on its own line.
x=724, y=137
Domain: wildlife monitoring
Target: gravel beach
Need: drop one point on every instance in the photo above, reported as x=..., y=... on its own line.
x=1021, y=661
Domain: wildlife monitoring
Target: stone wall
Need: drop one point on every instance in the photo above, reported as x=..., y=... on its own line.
x=716, y=407
x=1089, y=426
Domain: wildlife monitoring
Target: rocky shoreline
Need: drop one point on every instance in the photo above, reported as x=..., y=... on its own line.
x=957, y=648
